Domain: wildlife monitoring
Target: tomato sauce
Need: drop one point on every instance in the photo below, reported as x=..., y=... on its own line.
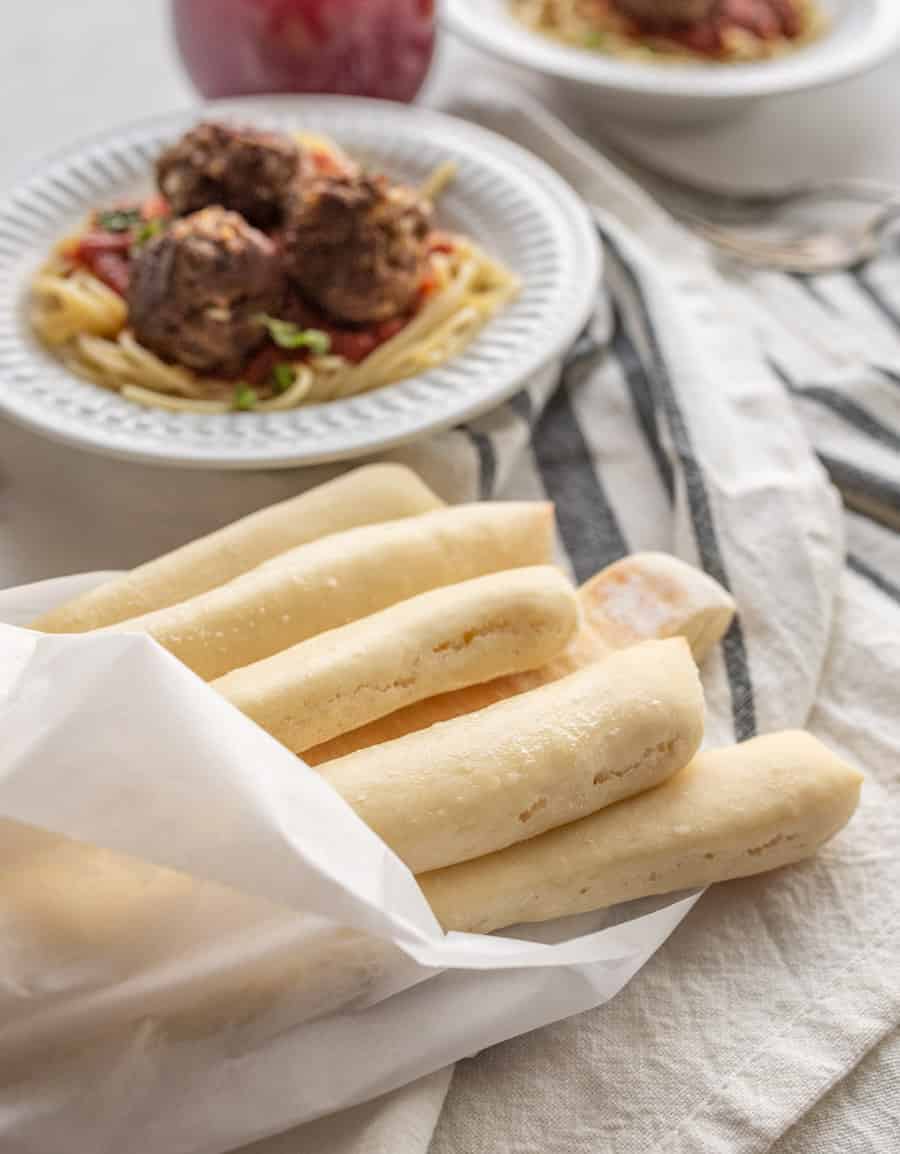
x=105, y=249
x=106, y=252
x=767, y=20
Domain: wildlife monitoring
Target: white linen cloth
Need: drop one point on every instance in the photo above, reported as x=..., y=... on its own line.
x=673, y=427
x=689, y=418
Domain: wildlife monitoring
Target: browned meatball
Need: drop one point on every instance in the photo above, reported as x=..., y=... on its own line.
x=355, y=245
x=248, y=171
x=196, y=291
x=666, y=11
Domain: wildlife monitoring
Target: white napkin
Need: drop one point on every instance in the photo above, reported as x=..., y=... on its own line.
x=694, y=427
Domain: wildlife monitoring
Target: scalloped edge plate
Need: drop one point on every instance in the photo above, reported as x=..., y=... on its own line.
x=506, y=198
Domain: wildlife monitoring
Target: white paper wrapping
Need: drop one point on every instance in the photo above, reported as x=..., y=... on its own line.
x=200, y=942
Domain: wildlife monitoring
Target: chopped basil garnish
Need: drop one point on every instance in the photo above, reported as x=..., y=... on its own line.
x=245, y=398
x=287, y=335
x=596, y=39
x=118, y=219
x=147, y=231
x=283, y=376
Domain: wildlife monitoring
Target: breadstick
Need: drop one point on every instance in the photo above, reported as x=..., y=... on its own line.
x=518, y=768
x=343, y=577
x=732, y=813
x=366, y=496
x=442, y=640
x=649, y=595
x=640, y=597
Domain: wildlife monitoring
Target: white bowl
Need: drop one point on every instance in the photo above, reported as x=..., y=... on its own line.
x=861, y=34
x=504, y=197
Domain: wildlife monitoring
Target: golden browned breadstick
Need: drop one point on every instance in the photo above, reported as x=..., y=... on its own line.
x=732, y=813
x=442, y=640
x=515, y=769
x=640, y=597
x=343, y=577
x=362, y=497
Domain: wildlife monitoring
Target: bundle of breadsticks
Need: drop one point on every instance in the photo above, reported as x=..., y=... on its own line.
x=528, y=749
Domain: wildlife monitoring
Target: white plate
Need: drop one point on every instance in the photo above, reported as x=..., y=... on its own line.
x=504, y=197
x=862, y=33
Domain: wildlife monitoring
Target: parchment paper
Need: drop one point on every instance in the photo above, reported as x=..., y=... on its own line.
x=200, y=942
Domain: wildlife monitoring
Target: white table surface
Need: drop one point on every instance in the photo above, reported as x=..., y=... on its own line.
x=74, y=68
x=71, y=69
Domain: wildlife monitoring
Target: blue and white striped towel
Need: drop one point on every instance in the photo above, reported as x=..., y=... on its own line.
x=702, y=413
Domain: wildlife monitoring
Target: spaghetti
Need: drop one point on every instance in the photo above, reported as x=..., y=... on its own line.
x=602, y=26
x=84, y=321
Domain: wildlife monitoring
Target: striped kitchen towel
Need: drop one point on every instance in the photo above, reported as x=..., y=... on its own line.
x=713, y=413
x=720, y=415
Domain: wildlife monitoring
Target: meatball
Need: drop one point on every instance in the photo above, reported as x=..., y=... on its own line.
x=196, y=291
x=355, y=245
x=248, y=171
x=666, y=11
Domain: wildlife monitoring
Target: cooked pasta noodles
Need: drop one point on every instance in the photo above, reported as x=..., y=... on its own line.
x=85, y=323
x=597, y=25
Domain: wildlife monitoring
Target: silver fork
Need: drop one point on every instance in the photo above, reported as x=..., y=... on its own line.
x=811, y=249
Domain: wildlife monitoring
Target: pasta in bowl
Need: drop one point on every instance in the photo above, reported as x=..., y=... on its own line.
x=267, y=271
x=677, y=31
x=680, y=62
